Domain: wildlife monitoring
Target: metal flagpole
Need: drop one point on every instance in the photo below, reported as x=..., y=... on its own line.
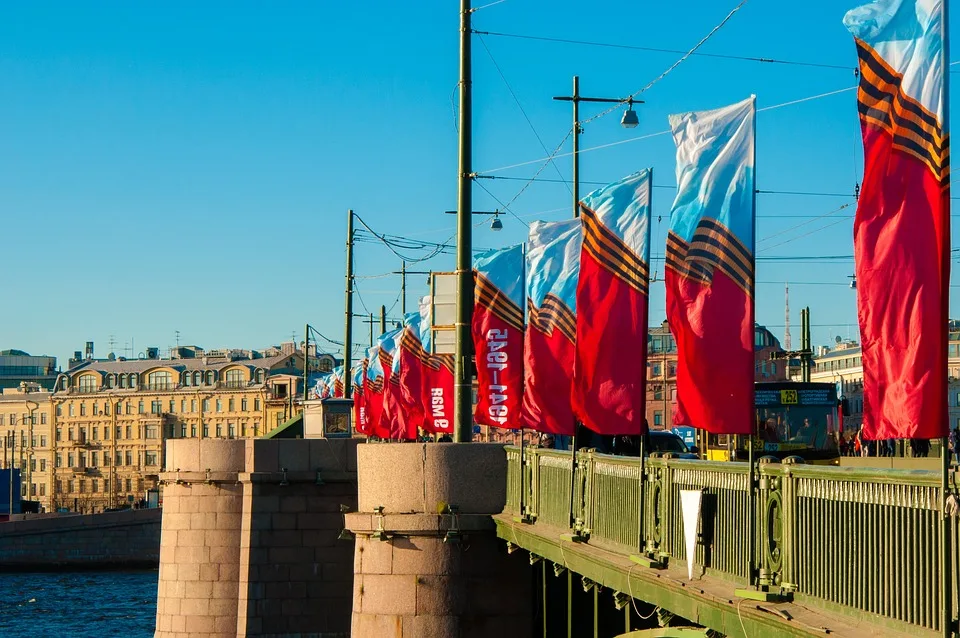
x=946, y=620
x=752, y=517
x=463, y=368
x=576, y=213
x=348, y=307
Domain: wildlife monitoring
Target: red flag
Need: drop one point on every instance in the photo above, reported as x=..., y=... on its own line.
x=438, y=394
x=902, y=227
x=410, y=392
x=709, y=272
x=552, y=268
x=498, y=336
x=609, y=386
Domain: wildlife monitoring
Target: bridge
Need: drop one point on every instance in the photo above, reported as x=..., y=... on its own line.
x=836, y=550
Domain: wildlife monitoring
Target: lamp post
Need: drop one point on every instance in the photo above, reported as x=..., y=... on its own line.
x=403, y=272
x=629, y=120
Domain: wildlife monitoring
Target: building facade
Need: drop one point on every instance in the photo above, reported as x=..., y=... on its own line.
x=17, y=366
x=26, y=418
x=662, y=371
x=842, y=365
x=112, y=418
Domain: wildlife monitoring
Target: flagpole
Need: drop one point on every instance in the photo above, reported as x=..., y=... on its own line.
x=946, y=620
x=752, y=518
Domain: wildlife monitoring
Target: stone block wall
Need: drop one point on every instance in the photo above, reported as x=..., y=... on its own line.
x=250, y=538
x=423, y=569
x=130, y=538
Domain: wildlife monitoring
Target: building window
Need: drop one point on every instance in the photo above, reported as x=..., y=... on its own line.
x=110, y=381
x=129, y=455
x=133, y=380
x=183, y=406
x=96, y=410
x=235, y=379
x=243, y=405
x=95, y=433
x=140, y=407
x=206, y=405
x=172, y=406
x=156, y=407
x=197, y=378
x=93, y=459
x=58, y=460
x=59, y=434
x=43, y=465
x=219, y=430
x=656, y=369
x=70, y=434
x=93, y=486
x=150, y=458
x=123, y=381
x=119, y=433
x=69, y=411
x=106, y=458
x=151, y=431
x=129, y=432
x=186, y=378
x=70, y=460
x=206, y=430
x=243, y=429
x=83, y=409
x=658, y=418
x=87, y=383
x=128, y=485
x=106, y=409
x=210, y=377
x=260, y=376
x=256, y=428
x=219, y=405
x=82, y=459
x=160, y=380
x=256, y=405
x=231, y=431
x=193, y=430
x=230, y=405
x=43, y=418
x=129, y=408
x=43, y=440
x=119, y=459
x=193, y=405
x=43, y=489
x=183, y=430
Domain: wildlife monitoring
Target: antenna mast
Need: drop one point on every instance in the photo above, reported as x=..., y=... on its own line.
x=786, y=319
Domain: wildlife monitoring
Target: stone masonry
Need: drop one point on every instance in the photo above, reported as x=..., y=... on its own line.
x=249, y=543
x=427, y=561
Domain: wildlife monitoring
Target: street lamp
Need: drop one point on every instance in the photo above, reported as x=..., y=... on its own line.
x=630, y=120
x=496, y=224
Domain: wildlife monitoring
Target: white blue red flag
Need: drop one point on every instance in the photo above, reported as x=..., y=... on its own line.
x=553, y=265
x=901, y=234
x=498, y=336
x=710, y=268
x=609, y=373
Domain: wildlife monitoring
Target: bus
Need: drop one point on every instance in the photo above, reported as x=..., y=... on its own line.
x=792, y=419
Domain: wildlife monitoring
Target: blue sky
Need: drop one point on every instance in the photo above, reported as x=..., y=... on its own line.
x=188, y=167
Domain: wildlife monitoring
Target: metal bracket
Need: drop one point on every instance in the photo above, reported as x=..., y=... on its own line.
x=646, y=561
x=283, y=480
x=764, y=596
x=208, y=480
x=380, y=534
x=453, y=534
x=558, y=569
x=345, y=534
x=319, y=478
x=620, y=600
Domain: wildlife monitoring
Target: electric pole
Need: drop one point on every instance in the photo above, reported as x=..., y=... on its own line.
x=348, y=311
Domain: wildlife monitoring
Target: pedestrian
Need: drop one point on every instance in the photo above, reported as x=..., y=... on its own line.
x=954, y=441
x=858, y=447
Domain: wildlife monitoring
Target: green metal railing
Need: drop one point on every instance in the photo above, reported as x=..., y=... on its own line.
x=858, y=541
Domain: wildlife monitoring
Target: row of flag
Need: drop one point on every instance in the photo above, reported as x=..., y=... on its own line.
x=560, y=323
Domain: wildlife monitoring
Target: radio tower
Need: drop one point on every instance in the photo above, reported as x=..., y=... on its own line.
x=786, y=318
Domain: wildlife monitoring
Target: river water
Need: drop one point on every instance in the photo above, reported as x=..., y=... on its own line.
x=78, y=604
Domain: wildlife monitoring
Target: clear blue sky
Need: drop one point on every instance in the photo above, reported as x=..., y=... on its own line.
x=188, y=166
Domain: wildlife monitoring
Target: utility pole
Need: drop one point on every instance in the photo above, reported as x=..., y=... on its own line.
x=306, y=363
x=348, y=309
x=805, y=353
x=383, y=319
x=403, y=288
x=463, y=390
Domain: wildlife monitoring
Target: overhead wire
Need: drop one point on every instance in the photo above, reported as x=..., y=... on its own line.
x=661, y=50
x=522, y=110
